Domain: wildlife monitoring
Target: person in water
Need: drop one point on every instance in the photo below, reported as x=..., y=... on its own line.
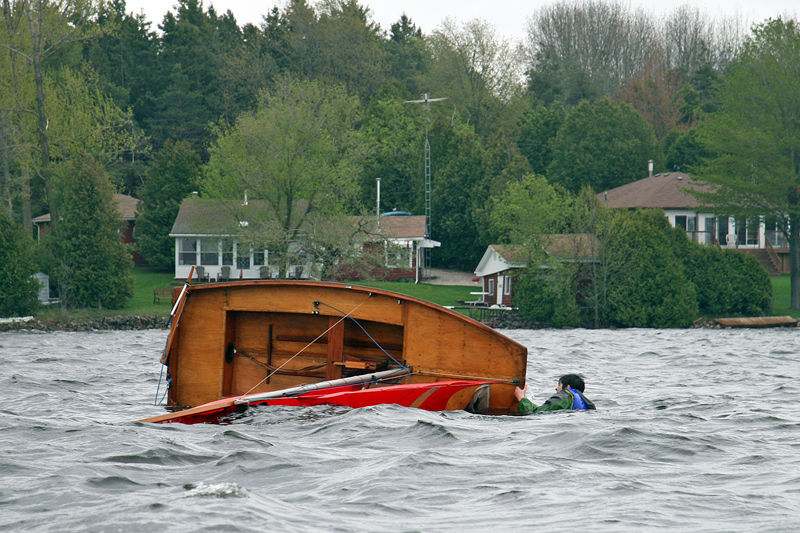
x=569, y=395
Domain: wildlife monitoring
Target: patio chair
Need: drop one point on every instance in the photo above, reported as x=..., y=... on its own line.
x=225, y=274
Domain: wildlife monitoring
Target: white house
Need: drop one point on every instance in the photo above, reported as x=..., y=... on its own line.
x=669, y=191
x=206, y=236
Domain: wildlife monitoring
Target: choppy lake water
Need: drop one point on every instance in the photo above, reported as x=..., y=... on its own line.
x=696, y=430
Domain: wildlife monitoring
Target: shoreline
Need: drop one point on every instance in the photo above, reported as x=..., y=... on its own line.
x=101, y=323
x=138, y=322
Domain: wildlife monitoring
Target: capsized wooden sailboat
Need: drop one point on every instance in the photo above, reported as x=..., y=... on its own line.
x=286, y=342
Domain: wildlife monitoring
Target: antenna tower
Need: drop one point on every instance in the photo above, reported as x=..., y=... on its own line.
x=426, y=101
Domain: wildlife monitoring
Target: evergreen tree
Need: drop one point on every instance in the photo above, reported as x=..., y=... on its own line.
x=602, y=145
x=407, y=56
x=170, y=177
x=94, y=266
x=18, y=287
x=194, y=47
x=457, y=172
x=645, y=284
x=537, y=130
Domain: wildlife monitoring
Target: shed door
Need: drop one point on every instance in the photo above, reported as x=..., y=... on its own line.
x=501, y=281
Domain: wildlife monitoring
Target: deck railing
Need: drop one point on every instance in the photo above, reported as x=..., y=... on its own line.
x=483, y=313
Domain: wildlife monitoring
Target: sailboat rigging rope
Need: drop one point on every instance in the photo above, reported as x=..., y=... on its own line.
x=304, y=348
x=317, y=304
x=158, y=388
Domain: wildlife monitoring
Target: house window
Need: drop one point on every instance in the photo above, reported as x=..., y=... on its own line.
x=227, y=252
x=398, y=256
x=209, y=252
x=680, y=222
x=491, y=287
x=722, y=231
x=507, y=286
x=242, y=261
x=187, y=254
x=747, y=231
x=259, y=258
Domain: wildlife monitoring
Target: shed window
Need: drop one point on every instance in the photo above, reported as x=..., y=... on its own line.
x=187, y=255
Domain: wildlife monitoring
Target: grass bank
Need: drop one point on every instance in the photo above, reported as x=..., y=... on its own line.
x=781, y=297
x=147, y=279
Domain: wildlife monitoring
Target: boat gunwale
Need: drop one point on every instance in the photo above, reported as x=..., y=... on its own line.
x=347, y=286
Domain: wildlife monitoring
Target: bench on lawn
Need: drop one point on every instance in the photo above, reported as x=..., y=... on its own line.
x=162, y=294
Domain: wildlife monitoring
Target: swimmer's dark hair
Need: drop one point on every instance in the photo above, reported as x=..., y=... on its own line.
x=572, y=381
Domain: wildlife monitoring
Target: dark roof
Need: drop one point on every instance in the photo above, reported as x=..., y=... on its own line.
x=208, y=217
x=571, y=245
x=403, y=227
x=664, y=191
x=125, y=204
x=512, y=253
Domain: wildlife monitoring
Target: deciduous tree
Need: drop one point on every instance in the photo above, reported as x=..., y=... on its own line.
x=754, y=138
x=299, y=153
x=479, y=71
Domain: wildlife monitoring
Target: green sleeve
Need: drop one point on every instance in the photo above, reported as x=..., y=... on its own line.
x=525, y=407
x=555, y=403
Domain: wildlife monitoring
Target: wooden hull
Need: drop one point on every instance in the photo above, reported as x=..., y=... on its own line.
x=244, y=337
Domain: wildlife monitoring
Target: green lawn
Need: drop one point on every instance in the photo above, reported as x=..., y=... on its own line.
x=147, y=279
x=781, y=287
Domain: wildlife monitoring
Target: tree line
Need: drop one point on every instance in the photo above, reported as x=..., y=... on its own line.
x=309, y=108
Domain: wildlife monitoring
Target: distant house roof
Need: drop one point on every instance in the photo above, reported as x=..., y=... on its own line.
x=403, y=227
x=568, y=246
x=206, y=217
x=125, y=204
x=501, y=257
x=667, y=190
x=571, y=245
x=514, y=254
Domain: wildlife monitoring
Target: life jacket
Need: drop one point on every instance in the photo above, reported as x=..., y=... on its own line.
x=577, y=399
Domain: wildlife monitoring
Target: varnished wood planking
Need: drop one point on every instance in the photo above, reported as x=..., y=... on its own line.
x=442, y=344
x=201, y=347
x=300, y=299
x=274, y=321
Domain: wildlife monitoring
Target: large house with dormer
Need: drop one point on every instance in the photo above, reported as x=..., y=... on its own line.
x=669, y=191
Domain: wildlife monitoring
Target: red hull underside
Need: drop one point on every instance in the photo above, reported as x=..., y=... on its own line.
x=427, y=396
